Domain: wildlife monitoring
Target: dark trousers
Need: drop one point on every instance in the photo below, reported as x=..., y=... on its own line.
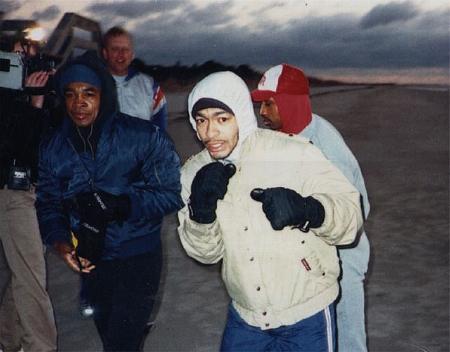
x=123, y=294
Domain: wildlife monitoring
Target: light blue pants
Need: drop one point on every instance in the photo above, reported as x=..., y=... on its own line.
x=351, y=330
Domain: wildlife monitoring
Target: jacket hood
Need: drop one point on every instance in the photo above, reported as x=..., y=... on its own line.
x=109, y=102
x=295, y=112
x=231, y=90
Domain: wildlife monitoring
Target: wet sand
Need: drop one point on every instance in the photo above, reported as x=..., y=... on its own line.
x=401, y=139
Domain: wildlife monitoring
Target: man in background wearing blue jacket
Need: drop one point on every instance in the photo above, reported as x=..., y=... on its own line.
x=109, y=178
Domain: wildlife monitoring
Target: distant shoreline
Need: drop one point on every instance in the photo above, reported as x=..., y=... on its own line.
x=177, y=99
x=317, y=89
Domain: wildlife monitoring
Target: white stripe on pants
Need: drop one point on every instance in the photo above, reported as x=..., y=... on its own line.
x=329, y=329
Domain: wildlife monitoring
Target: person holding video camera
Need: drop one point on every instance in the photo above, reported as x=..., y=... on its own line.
x=26, y=314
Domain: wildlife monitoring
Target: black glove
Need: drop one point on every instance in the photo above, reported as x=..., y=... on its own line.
x=209, y=185
x=100, y=205
x=285, y=207
x=91, y=240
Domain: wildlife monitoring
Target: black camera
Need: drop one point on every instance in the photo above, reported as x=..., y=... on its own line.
x=14, y=69
x=40, y=62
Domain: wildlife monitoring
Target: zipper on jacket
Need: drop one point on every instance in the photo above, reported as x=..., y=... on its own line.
x=91, y=180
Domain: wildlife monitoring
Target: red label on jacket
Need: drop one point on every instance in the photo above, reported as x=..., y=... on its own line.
x=306, y=264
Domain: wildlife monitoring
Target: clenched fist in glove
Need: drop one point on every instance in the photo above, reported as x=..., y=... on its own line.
x=285, y=207
x=103, y=205
x=209, y=185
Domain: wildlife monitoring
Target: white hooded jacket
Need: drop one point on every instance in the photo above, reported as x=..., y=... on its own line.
x=273, y=277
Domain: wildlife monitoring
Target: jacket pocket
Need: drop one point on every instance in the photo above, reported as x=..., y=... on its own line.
x=321, y=270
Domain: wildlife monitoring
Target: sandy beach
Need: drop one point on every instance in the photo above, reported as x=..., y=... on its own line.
x=400, y=136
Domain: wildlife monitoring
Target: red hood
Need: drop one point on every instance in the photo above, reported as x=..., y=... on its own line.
x=295, y=112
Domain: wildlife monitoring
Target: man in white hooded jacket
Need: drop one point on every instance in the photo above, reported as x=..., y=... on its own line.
x=273, y=208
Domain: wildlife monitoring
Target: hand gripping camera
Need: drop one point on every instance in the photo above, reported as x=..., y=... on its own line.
x=14, y=68
x=20, y=56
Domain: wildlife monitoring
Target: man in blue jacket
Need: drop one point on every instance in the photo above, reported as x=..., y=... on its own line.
x=109, y=178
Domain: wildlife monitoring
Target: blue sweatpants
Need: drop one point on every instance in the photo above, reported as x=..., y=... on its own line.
x=314, y=334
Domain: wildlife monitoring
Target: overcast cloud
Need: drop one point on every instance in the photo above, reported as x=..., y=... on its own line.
x=389, y=13
x=7, y=6
x=48, y=14
x=394, y=35
x=132, y=9
x=388, y=36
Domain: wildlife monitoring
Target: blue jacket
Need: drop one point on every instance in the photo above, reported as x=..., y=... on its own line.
x=132, y=157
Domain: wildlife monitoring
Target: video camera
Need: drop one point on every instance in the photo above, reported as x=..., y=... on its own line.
x=20, y=53
x=14, y=68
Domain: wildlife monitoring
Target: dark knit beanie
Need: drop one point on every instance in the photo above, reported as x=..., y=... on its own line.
x=205, y=103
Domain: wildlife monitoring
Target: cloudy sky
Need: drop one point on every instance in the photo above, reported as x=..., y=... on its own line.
x=377, y=40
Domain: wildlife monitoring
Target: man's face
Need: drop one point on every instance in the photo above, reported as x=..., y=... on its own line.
x=24, y=49
x=82, y=103
x=118, y=53
x=269, y=113
x=218, y=130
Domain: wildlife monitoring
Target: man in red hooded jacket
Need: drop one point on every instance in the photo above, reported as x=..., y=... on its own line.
x=283, y=92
